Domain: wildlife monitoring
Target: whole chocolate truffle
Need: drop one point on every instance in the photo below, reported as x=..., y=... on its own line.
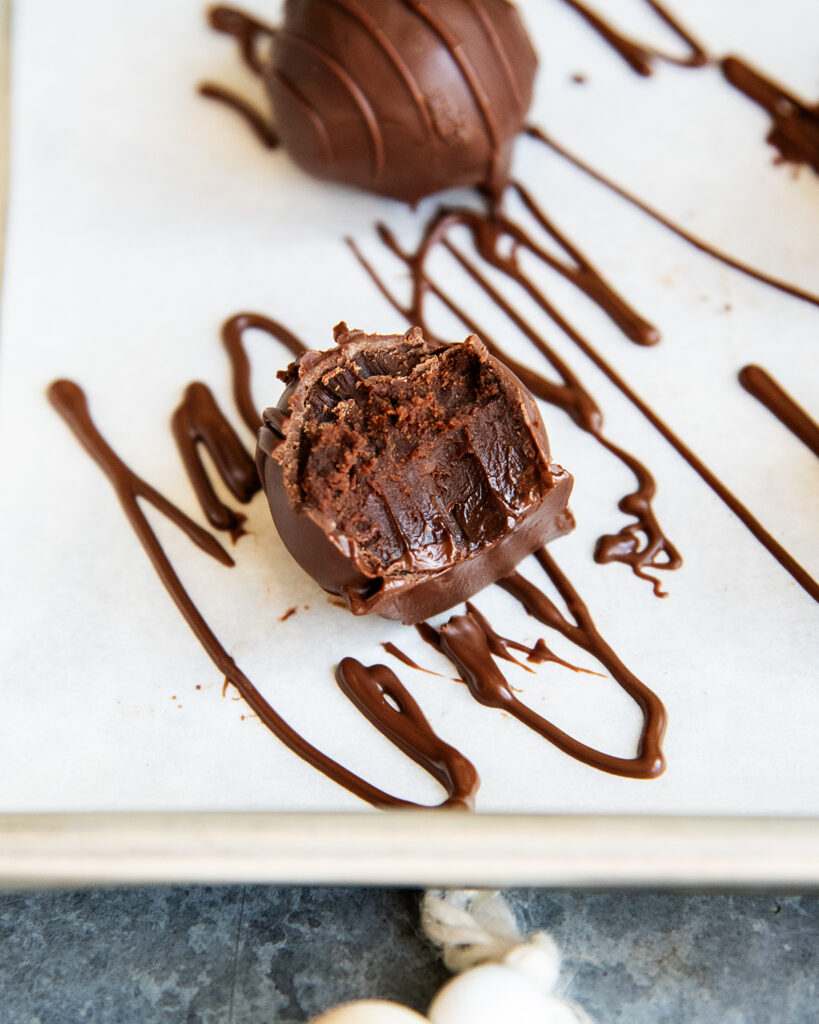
x=401, y=97
x=406, y=475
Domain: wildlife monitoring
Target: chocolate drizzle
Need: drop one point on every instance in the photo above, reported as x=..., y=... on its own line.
x=764, y=388
x=246, y=30
x=465, y=644
x=383, y=700
x=795, y=130
x=248, y=33
x=584, y=634
x=406, y=726
x=500, y=646
x=256, y=121
x=199, y=420
x=639, y=56
x=710, y=250
x=396, y=652
x=233, y=332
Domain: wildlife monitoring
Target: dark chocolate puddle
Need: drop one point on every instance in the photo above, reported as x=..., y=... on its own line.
x=765, y=389
x=400, y=721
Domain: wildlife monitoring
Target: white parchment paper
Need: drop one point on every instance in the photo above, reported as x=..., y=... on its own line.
x=142, y=216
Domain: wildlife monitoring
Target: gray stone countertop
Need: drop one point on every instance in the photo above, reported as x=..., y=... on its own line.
x=280, y=955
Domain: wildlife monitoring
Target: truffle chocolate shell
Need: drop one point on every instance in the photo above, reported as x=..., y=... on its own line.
x=401, y=97
x=424, y=580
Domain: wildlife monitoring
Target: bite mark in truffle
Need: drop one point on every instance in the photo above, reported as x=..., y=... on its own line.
x=406, y=475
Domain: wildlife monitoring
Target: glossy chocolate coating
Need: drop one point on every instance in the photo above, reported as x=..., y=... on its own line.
x=406, y=475
x=401, y=97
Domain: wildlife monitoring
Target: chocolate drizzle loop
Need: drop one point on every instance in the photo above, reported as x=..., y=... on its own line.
x=233, y=331
x=199, y=420
x=383, y=700
x=248, y=33
x=70, y=402
x=584, y=634
x=246, y=30
x=464, y=640
x=461, y=782
x=639, y=56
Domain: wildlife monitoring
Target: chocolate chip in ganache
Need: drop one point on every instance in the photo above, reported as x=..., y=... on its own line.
x=405, y=475
x=401, y=97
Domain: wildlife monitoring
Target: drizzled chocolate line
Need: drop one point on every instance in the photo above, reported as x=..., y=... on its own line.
x=641, y=544
x=401, y=67
x=199, y=420
x=795, y=130
x=246, y=30
x=585, y=276
x=464, y=643
x=382, y=699
x=233, y=331
x=70, y=402
x=744, y=268
x=504, y=59
x=456, y=51
x=470, y=642
x=583, y=633
x=257, y=122
x=639, y=56
x=352, y=88
x=404, y=727
x=764, y=388
x=396, y=652
x=500, y=646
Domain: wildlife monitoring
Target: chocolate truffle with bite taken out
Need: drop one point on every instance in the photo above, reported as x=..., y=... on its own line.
x=405, y=475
